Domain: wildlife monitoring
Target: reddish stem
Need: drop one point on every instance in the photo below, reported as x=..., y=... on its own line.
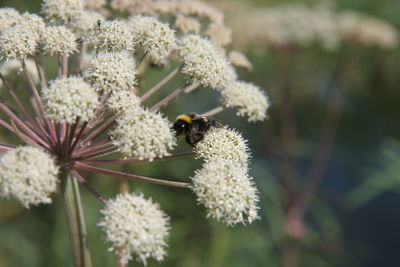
x=83, y=166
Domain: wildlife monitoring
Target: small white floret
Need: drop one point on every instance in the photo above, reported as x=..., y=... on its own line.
x=123, y=100
x=143, y=134
x=62, y=12
x=59, y=40
x=135, y=226
x=112, y=71
x=68, y=99
x=227, y=191
x=28, y=174
x=114, y=35
x=247, y=98
x=223, y=143
x=18, y=42
x=203, y=64
x=8, y=17
x=157, y=38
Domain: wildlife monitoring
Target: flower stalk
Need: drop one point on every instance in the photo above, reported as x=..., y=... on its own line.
x=76, y=221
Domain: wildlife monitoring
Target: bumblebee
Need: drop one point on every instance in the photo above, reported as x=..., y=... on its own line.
x=194, y=127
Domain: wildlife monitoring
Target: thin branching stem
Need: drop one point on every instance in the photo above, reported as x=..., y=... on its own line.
x=6, y=147
x=102, y=128
x=23, y=126
x=83, y=166
x=213, y=111
x=83, y=182
x=131, y=160
x=160, y=84
x=165, y=101
x=40, y=70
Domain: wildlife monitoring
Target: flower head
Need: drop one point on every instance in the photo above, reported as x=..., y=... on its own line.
x=114, y=35
x=28, y=174
x=203, y=64
x=85, y=26
x=238, y=59
x=187, y=24
x=34, y=23
x=249, y=100
x=135, y=225
x=223, y=143
x=59, y=40
x=8, y=17
x=112, y=71
x=62, y=12
x=18, y=42
x=157, y=38
x=219, y=34
x=68, y=99
x=227, y=192
x=123, y=100
x=143, y=134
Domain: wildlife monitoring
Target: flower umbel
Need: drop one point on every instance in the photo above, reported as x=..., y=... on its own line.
x=89, y=111
x=135, y=226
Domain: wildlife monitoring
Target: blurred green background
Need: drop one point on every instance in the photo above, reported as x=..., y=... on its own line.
x=352, y=221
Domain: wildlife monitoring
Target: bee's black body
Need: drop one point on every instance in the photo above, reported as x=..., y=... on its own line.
x=194, y=127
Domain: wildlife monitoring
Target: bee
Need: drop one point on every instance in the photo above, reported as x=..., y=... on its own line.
x=194, y=127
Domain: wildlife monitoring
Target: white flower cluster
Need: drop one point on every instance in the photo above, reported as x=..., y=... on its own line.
x=135, y=226
x=302, y=25
x=238, y=59
x=123, y=100
x=219, y=34
x=187, y=24
x=59, y=40
x=222, y=184
x=8, y=17
x=143, y=134
x=86, y=25
x=288, y=25
x=68, y=99
x=203, y=64
x=367, y=30
x=62, y=12
x=112, y=71
x=28, y=174
x=156, y=38
x=249, y=100
x=114, y=35
x=227, y=192
x=18, y=42
x=223, y=143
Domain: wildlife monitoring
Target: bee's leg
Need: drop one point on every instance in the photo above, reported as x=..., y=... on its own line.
x=189, y=140
x=197, y=137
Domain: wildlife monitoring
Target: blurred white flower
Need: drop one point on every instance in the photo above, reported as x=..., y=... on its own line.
x=247, y=98
x=28, y=174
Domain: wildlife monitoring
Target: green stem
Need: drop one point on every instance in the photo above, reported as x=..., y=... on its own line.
x=76, y=221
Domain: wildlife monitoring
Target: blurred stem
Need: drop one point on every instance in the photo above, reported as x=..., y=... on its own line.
x=290, y=253
x=328, y=131
x=213, y=111
x=75, y=220
x=287, y=125
x=288, y=140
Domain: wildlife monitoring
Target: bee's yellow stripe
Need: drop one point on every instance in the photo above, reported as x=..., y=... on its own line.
x=186, y=118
